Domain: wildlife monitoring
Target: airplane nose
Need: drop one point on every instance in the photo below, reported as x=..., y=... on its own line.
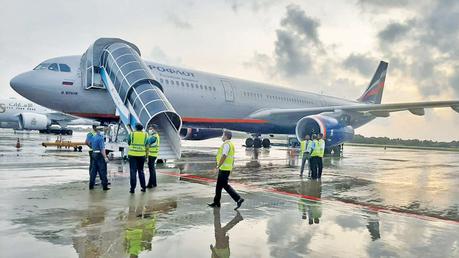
x=18, y=83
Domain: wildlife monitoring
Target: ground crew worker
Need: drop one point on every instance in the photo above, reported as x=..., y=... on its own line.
x=304, y=151
x=320, y=163
x=153, y=150
x=225, y=163
x=88, y=143
x=100, y=160
x=315, y=153
x=137, y=142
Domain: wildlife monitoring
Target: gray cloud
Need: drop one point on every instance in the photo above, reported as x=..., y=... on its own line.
x=290, y=57
x=360, y=63
x=254, y=5
x=393, y=31
x=385, y=3
x=179, y=22
x=298, y=22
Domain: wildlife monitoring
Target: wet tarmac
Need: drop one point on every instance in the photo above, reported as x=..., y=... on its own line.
x=370, y=203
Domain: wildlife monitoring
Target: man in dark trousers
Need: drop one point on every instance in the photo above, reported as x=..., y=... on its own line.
x=315, y=153
x=100, y=160
x=137, y=151
x=88, y=143
x=225, y=163
x=153, y=151
x=321, y=146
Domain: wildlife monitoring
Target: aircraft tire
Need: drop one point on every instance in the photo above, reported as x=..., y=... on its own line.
x=249, y=142
x=266, y=143
x=257, y=143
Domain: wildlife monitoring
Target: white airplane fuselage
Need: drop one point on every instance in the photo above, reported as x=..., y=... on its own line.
x=10, y=109
x=203, y=100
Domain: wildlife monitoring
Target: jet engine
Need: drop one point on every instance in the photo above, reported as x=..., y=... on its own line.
x=335, y=132
x=199, y=134
x=31, y=121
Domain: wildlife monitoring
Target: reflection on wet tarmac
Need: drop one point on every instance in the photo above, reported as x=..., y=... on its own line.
x=366, y=205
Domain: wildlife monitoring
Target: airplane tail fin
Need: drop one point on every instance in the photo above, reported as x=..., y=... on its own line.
x=373, y=94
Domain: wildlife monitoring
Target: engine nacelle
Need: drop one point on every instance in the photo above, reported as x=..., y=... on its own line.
x=334, y=132
x=200, y=134
x=31, y=121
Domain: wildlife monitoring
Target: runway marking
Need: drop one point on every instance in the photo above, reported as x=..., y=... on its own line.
x=371, y=207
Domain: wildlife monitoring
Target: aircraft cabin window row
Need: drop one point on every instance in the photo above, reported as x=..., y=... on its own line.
x=53, y=67
x=188, y=85
x=279, y=98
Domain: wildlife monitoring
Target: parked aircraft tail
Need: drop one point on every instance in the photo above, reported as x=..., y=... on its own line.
x=373, y=94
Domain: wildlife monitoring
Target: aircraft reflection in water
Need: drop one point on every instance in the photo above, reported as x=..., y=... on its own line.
x=131, y=233
x=221, y=247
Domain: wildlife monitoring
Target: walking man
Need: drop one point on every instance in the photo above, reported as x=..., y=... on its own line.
x=153, y=150
x=99, y=159
x=137, y=151
x=225, y=163
x=313, y=161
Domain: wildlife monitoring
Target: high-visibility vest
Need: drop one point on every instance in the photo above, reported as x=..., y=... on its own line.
x=316, y=151
x=303, y=146
x=322, y=148
x=153, y=149
x=138, y=142
x=92, y=133
x=229, y=161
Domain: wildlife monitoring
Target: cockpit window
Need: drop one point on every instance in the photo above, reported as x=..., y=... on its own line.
x=64, y=68
x=53, y=67
x=42, y=66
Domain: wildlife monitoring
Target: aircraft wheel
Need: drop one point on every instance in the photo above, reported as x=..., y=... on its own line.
x=266, y=143
x=249, y=142
x=257, y=143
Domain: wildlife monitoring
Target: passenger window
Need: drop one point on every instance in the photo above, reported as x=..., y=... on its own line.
x=53, y=67
x=64, y=68
x=161, y=80
x=172, y=82
x=177, y=82
x=167, y=81
x=183, y=84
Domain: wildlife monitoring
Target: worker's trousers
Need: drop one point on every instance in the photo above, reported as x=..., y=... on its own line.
x=99, y=166
x=136, y=167
x=152, y=170
x=303, y=163
x=222, y=183
x=314, y=165
x=90, y=162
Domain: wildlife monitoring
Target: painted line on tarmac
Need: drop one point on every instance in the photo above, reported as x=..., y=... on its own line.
x=371, y=207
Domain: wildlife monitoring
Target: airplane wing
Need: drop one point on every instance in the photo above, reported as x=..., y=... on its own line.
x=378, y=110
x=64, y=119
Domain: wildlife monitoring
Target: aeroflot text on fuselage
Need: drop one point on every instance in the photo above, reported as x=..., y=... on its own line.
x=170, y=70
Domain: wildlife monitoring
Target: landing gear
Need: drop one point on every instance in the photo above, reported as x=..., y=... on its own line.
x=257, y=143
x=266, y=143
x=249, y=142
x=335, y=151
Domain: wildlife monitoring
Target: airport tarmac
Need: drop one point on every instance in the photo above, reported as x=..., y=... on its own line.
x=370, y=203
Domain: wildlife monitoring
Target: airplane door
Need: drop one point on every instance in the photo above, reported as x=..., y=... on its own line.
x=229, y=90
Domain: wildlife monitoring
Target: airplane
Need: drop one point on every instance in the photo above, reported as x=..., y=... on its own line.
x=111, y=82
x=25, y=115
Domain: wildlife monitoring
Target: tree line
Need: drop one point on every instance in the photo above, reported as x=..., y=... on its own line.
x=397, y=141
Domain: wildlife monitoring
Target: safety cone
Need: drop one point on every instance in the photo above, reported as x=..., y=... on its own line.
x=18, y=144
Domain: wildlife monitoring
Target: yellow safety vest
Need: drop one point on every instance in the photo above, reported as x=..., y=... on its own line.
x=229, y=161
x=138, y=142
x=303, y=146
x=322, y=147
x=316, y=152
x=153, y=149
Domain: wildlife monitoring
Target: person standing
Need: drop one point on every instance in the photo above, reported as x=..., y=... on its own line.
x=225, y=163
x=137, y=142
x=304, y=151
x=99, y=159
x=313, y=161
x=88, y=143
x=320, y=163
x=153, y=151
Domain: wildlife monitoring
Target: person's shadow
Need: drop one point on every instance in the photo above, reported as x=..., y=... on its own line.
x=221, y=248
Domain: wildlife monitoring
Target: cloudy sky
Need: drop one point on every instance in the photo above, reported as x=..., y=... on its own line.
x=329, y=46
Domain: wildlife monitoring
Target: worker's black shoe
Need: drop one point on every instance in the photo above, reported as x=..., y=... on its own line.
x=143, y=189
x=131, y=191
x=106, y=188
x=213, y=205
x=91, y=188
x=239, y=203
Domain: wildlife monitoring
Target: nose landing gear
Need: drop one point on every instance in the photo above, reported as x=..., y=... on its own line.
x=257, y=142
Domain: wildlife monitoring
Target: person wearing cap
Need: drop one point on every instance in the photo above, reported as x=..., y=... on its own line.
x=137, y=142
x=99, y=160
x=225, y=164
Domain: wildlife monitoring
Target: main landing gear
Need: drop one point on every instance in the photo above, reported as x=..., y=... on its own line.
x=257, y=142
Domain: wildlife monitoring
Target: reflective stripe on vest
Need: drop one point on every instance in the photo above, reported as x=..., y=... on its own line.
x=153, y=149
x=229, y=161
x=316, y=151
x=138, y=142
